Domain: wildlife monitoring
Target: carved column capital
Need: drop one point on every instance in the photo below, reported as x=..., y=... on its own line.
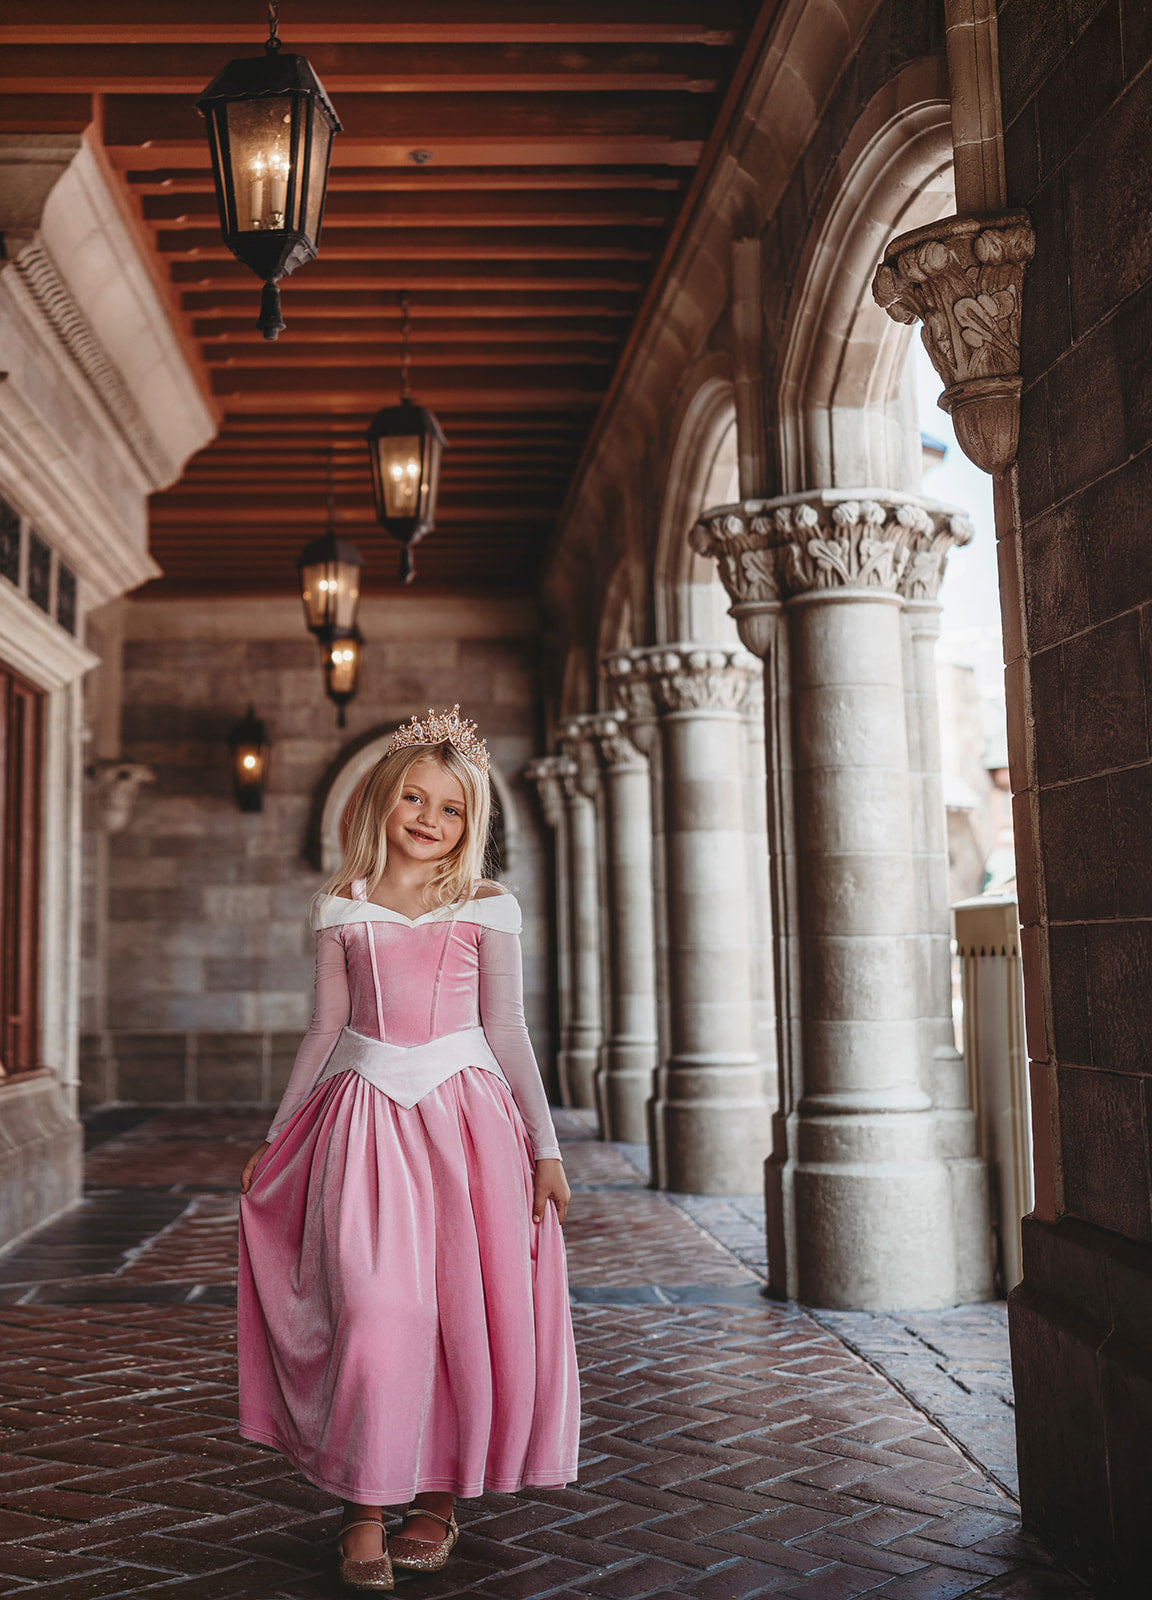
x=769, y=551
x=612, y=737
x=963, y=278
x=693, y=677
x=545, y=774
x=575, y=737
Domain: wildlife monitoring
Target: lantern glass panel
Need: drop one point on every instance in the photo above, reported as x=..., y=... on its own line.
x=331, y=593
x=262, y=157
x=342, y=666
x=319, y=148
x=401, y=470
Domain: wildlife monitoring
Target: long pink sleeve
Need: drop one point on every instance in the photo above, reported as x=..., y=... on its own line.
x=502, y=1015
x=332, y=1009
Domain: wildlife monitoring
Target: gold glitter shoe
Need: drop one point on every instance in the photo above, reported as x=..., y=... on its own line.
x=373, y=1574
x=423, y=1555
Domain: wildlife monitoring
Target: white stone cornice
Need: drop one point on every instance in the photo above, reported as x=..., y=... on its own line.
x=60, y=312
x=100, y=405
x=100, y=255
x=96, y=525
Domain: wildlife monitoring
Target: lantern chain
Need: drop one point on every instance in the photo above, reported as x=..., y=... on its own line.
x=272, y=46
x=405, y=355
x=330, y=495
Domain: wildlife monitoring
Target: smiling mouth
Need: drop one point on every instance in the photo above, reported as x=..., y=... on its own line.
x=425, y=838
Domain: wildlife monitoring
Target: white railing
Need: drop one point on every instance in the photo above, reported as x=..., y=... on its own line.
x=987, y=933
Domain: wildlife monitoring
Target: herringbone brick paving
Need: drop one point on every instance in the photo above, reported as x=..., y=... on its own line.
x=729, y=1451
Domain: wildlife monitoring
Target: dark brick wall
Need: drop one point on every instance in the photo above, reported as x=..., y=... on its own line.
x=1078, y=114
x=1077, y=103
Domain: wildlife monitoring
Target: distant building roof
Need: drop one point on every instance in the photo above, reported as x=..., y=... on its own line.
x=934, y=449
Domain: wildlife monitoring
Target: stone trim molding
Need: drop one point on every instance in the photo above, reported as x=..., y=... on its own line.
x=770, y=551
x=32, y=644
x=963, y=278
x=53, y=299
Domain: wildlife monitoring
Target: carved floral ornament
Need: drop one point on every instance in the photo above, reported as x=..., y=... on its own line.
x=687, y=677
x=770, y=550
x=963, y=278
x=545, y=772
x=614, y=744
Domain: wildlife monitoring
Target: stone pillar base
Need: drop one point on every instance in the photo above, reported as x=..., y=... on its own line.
x=884, y=1217
x=41, y=1153
x=624, y=1087
x=711, y=1142
x=576, y=1073
x=1081, y=1324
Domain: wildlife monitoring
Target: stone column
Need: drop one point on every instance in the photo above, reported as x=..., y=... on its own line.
x=759, y=896
x=628, y=1054
x=544, y=773
x=876, y=1193
x=627, y=686
x=711, y=1117
x=580, y=1042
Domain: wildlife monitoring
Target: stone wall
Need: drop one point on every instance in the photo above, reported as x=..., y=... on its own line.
x=199, y=970
x=1077, y=102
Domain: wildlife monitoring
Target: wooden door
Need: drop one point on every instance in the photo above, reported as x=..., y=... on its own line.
x=21, y=733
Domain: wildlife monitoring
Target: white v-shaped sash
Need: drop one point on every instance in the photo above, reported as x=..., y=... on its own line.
x=406, y=1073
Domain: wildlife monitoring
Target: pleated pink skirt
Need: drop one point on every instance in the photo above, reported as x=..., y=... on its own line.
x=403, y=1323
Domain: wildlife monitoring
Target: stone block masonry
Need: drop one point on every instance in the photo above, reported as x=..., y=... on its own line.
x=202, y=983
x=1077, y=98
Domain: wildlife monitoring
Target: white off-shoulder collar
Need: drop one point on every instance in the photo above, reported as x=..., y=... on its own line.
x=499, y=911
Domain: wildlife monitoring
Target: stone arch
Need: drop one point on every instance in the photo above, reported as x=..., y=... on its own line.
x=344, y=777
x=617, y=622
x=845, y=398
x=689, y=601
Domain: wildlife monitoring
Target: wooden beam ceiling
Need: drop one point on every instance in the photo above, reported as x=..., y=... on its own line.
x=516, y=167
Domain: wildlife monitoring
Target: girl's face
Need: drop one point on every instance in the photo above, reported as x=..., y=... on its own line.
x=428, y=820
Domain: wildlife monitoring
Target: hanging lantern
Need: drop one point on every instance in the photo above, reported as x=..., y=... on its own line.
x=341, y=658
x=329, y=571
x=249, y=747
x=270, y=128
x=405, y=445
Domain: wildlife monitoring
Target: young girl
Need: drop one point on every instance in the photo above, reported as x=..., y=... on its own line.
x=404, y=1333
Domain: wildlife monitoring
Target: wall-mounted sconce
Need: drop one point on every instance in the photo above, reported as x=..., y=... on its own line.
x=249, y=747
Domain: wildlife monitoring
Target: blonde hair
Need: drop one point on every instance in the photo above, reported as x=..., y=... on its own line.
x=366, y=849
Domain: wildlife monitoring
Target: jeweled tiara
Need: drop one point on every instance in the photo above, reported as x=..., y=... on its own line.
x=444, y=727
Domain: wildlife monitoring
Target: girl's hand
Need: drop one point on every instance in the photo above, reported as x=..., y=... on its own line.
x=250, y=1167
x=551, y=1184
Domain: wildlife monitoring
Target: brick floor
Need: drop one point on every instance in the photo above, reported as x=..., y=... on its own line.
x=730, y=1449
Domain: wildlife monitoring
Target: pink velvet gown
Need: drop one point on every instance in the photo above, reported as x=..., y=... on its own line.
x=403, y=1323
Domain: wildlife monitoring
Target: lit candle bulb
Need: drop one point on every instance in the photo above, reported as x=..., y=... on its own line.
x=259, y=168
x=279, y=188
